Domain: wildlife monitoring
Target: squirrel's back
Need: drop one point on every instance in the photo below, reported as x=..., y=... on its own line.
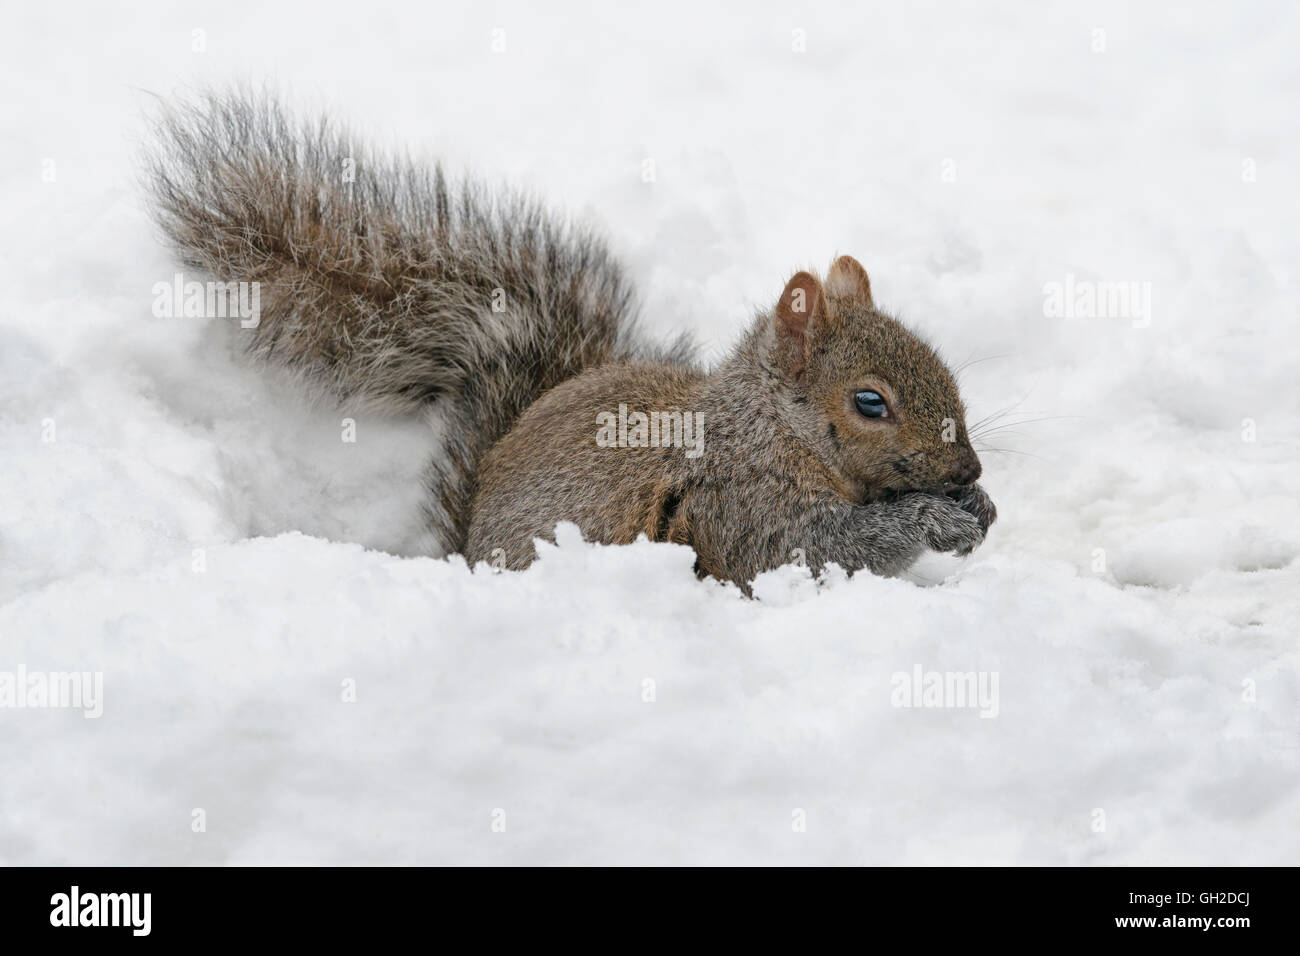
x=386, y=285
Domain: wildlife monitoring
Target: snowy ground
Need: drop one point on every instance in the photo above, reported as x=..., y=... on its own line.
x=190, y=528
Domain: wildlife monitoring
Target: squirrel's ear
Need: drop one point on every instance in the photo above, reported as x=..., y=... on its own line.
x=800, y=311
x=847, y=279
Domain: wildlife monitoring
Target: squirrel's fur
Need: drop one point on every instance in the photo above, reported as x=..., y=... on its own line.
x=398, y=290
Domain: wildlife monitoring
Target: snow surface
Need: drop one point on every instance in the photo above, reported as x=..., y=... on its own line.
x=1137, y=598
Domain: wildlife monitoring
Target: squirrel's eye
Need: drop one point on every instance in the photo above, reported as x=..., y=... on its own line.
x=871, y=404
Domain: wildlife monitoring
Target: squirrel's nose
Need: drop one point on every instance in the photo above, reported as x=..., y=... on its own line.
x=966, y=470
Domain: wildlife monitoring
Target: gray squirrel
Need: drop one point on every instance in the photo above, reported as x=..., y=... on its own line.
x=834, y=434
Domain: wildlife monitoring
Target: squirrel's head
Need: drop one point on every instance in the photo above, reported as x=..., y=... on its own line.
x=890, y=416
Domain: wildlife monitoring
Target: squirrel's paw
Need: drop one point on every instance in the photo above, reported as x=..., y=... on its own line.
x=950, y=527
x=975, y=501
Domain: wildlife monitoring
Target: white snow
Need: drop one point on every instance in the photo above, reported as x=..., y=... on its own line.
x=192, y=529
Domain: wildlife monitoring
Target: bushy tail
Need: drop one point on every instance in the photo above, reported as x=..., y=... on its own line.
x=382, y=282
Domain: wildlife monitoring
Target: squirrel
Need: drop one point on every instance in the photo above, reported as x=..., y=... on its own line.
x=834, y=434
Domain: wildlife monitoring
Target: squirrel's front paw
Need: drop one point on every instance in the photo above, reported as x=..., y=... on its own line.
x=975, y=501
x=950, y=527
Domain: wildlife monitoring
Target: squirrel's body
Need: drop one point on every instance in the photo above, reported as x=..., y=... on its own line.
x=613, y=494
x=743, y=512
x=831, y=433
